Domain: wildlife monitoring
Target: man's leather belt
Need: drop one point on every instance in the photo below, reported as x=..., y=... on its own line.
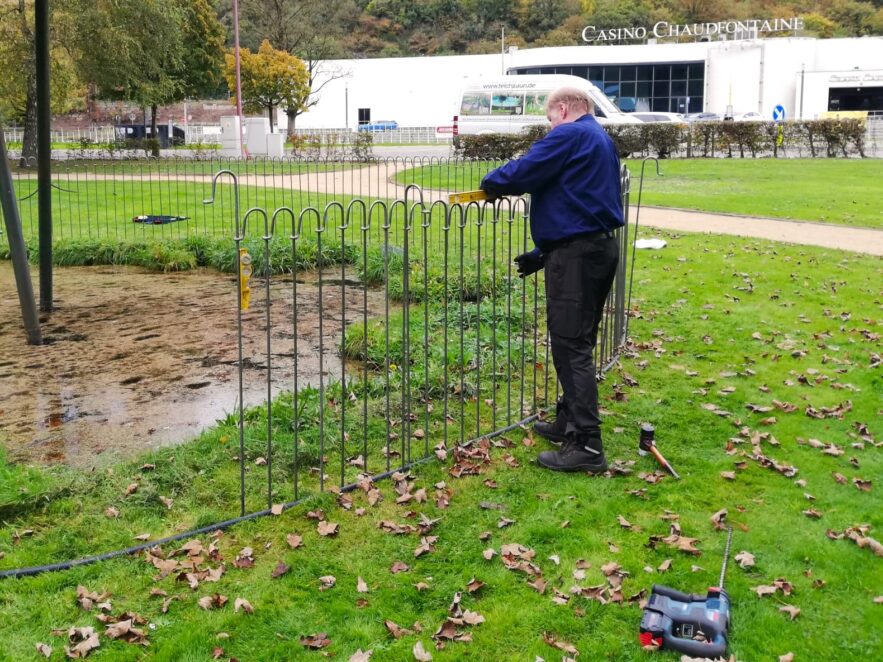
x=602, y=234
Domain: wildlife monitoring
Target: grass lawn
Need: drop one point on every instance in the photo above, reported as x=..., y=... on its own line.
x=724, y=330
x=839, y=191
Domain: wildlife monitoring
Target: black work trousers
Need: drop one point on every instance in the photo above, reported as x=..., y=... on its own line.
x=579, y=276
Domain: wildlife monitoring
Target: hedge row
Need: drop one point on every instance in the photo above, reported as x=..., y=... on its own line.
x=802, y=138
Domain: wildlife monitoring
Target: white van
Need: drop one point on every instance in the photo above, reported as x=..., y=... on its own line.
x=508, y=104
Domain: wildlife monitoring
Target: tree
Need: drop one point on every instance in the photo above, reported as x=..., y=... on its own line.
x=18, y=78
x=270, y=79
x=153, y=52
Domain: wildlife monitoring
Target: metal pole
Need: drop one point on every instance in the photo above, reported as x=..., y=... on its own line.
x=44, y=151
x=503, y=51
x=802, y=75
x=238, y=73
x=17, y=249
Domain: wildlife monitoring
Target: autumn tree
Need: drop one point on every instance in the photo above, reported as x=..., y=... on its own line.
x=270, y=79
x=18, y=75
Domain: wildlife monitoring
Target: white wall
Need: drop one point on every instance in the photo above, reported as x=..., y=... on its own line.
x=752, y=75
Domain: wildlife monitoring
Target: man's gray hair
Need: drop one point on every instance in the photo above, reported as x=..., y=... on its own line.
x=575, y=99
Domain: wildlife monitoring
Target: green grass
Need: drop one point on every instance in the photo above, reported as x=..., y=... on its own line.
x=718, y=320
x=837, y=191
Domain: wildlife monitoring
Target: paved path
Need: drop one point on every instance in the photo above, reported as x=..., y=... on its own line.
x=859, y=240
x=378, y=181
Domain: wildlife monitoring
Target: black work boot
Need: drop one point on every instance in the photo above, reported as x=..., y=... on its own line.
x=585, y=454
x=554, y=431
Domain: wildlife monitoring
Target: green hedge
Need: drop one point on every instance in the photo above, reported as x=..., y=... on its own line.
x=804, y=138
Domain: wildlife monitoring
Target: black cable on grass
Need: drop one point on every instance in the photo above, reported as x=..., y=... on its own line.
x=219, y=526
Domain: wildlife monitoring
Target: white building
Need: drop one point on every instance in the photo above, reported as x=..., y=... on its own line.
x=806, y=76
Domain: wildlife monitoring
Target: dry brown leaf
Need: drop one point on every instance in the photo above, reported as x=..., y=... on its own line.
x=326, y=582
x=396, y=630
x=131, y=489
x=277, y=509
x=539, y=585
x=623, y=522
x=315, y=641
x=791, y=610
x=665, y=566
x=560, y=645
x=244, y=605
x=813, y=513
x=360, y=656
x=215, y=601
x=745, y=559
x=399, y=566
x=167, y=502
x=294, y=540
x=44, y=649
x=728, y=475
x=489, y=553
x=718, y=519
x=420, y=653
x=787, y=657
x=764, y=590
x=279, y=570
x=328, y=528
x=361, y=586
x=83, y=647
x=111, y=512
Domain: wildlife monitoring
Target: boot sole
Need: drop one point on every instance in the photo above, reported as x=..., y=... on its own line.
x=593, y=468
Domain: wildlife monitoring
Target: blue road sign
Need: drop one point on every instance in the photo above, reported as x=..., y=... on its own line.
x=779, y=113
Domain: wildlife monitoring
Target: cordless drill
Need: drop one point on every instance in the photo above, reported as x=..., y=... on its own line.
x=688, y=623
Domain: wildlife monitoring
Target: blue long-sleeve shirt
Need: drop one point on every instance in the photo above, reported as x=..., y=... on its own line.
x=573, y=177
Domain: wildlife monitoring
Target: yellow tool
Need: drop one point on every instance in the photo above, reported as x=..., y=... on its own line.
x=466, y=197
x=244, y=275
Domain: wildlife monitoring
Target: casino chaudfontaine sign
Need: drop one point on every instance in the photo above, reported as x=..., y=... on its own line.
x=666, y=30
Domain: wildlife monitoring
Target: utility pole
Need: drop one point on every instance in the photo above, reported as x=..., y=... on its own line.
x=503, y=50
x=238, y=76
x=44, y=152
x=17, y=250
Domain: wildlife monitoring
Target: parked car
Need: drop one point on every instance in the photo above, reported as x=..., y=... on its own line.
x=703, y=117
x=379, y=125
x=647, y=116
x=748, y=117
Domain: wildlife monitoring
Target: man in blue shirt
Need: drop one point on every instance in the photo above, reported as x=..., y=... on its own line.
x=573, y=177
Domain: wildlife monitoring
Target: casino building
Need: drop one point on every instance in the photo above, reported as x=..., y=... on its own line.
x=732, y=66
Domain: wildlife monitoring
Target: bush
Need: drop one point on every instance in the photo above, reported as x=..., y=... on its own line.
x=499, y=146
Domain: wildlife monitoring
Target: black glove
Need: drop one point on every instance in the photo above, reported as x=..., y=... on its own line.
x=529, y=263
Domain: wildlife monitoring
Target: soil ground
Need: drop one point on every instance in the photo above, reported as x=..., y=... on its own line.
x=137, y=360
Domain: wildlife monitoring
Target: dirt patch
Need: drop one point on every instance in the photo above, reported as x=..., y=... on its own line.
x=136, y=360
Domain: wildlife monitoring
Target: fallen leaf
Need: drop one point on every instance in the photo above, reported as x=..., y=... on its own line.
x=813, y=513
x=728, y=475
x=360, y=656
x=327, y=528
x=44, y=649
x=215, y=601
x=86, y=641
x=361, y=586
x=718, y=519
x=560, y=645
x=623, y=522
x=396, y=630
x=664, y=566
x=277, y=509
x=315, y=641
x=245, y=605
x=279, y=570
x=791, y=610
x=294, y=540
x=745, y=559
x=399, y=566
x=787, y=657
x=764, y=590
x=420, y=653
x=326, y=582
x=489, y=553
x=111, y=512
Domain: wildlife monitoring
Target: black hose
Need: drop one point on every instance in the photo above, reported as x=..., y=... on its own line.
x=219, y=526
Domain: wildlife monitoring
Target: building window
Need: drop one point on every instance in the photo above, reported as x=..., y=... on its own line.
x=677, y=87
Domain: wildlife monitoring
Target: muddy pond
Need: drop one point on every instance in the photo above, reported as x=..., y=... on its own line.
x=135, y=360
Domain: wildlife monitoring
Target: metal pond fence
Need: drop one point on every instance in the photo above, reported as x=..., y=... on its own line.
x=427, y=342
x=438, y=342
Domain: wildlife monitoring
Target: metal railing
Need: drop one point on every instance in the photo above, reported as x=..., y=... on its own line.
x=427, y=340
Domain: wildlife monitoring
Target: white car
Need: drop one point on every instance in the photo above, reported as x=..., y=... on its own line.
x=748, y=117
x=648, y=116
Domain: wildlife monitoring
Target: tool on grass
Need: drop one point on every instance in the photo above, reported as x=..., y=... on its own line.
x=688, y=623
x=647, y=446
x=467, y=196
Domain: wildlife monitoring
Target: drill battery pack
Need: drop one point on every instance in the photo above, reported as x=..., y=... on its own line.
x=693, y=624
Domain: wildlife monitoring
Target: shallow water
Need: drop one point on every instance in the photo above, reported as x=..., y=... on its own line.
x=136, y=359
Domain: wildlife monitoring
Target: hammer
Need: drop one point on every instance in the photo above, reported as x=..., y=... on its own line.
x=647, y=444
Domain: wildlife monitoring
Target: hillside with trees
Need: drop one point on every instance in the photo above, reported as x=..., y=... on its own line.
x=317, y=31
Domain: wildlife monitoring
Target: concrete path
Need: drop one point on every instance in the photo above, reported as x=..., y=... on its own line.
x=859, y=240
